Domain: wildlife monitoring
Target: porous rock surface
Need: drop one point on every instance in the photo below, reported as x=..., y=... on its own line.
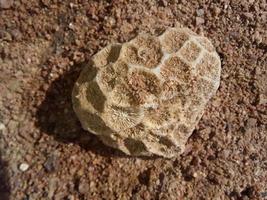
x=146, y=96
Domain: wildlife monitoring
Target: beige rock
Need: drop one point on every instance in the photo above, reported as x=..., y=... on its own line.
x=146, y=96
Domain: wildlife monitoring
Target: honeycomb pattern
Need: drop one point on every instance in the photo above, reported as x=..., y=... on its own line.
x=146, y=96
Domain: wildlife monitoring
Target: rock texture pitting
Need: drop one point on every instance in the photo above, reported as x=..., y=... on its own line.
x=146, y=96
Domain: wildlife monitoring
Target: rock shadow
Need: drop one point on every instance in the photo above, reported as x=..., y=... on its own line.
x=4, y=180
x=55, y=116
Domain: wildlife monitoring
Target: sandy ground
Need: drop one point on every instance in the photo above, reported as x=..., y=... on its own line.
x=46, y=155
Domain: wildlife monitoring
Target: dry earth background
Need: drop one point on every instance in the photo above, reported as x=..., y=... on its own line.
x=43, y=44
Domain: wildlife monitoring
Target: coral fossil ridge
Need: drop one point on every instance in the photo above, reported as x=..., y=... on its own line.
x=146, y=96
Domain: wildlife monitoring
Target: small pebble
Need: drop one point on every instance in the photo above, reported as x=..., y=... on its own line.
x=51, y=163
x=71, y=5
x=163, y=3
x=71, y=197
x=262, y=99
x=83, y=187
x=23, y=167
x=46, y=2
x=2, y=127
x=16, y=34
x=251, y=122
x=248, y=15
x=199, y=20
x=200, y=12
x=216, y=11
x=4, y=35
x=5, y=4
x=71, y=26
x=257, y=37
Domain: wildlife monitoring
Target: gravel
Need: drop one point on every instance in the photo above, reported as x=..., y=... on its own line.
x=225, y=157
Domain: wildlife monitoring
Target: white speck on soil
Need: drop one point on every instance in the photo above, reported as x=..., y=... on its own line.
x=23, y=167
x=2, y=127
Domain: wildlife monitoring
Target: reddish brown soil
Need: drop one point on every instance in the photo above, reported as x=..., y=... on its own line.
x=42, y=47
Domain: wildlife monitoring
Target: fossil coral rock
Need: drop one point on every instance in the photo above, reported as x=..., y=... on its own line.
x=146, y=96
